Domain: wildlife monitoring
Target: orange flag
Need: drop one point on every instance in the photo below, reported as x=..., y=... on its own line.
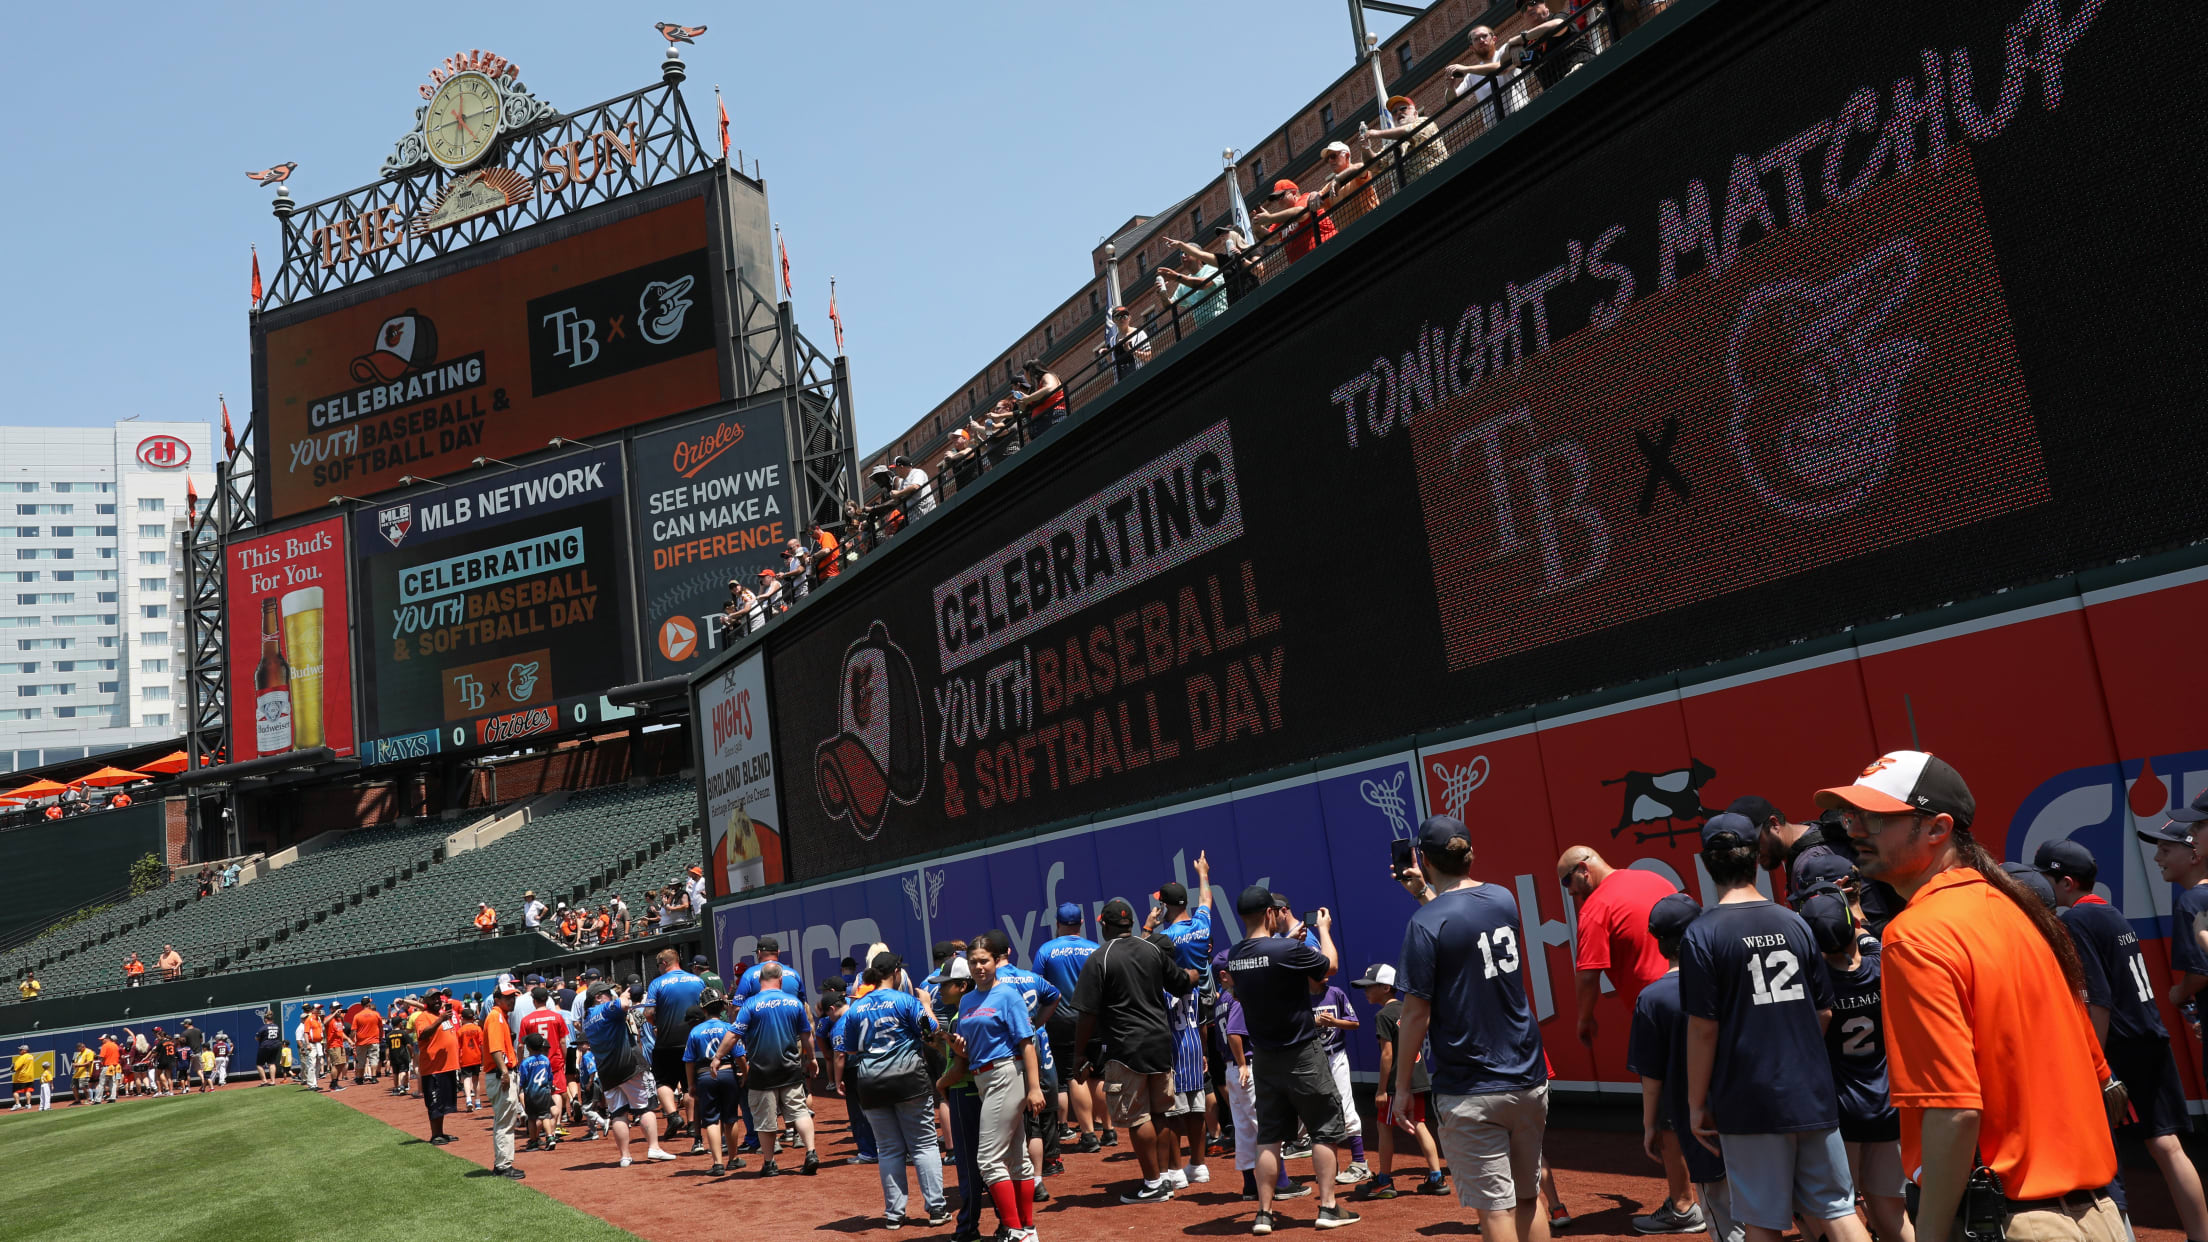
x=191, y=500
x=724, y=122
x=256, y=277
x=833, y=317
x=785, y=247
x=229, y=437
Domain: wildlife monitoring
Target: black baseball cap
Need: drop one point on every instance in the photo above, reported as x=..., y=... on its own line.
x=889, y=963
x=1757, y=808
x=2169, y=830
x=1379, y=974
x=1257, y=899
x=2067, y=858
x=1443, y=835
x=593, y=973
x=1826, y=911
x=1671, y=916
x=941, y=951
x=698, y=960
x=1117, y=913
x=1726, y=823
x=2028, y=875
x=2194, y=813
x=1172, y=893
x=768, y=944
x=1822, y=866
x=1900, y=782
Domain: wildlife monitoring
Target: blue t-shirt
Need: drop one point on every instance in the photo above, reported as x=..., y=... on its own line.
x=773, y=1026
x=1753, y=967
x=1038, y=992
x=1855, y=1040
x=1060, y=961
x=607, y=1028
x=1191, y=939
x=1658, y=1049
x=536, y=1075
x=586, y=1064
x=1334, y=1003
x=669, y=997
x=704, y=1038
x=2109, y=948
x=882, y=1023
x=1463, y=953
x=748, y=985
x=993, y=1023
x=824, y=1027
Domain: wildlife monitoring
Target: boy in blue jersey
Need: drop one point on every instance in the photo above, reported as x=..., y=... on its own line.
x=1060, y=960
x=1759, y=1088
x=536, y=1092
x=1464, y=996
x=1855, y=1041
x=1189, y=931
x=774, y=1026
x=1657, y=1051
x=712, y=1091
x=2120, y=1001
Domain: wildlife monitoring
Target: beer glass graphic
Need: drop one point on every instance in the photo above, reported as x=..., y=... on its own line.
x=303, y=645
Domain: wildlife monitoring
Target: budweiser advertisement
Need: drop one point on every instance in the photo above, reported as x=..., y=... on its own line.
x=291, y=667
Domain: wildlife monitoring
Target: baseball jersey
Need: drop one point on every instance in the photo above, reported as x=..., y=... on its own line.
x=1463, y=954
x=747, y=985
x=2109, y=948
x=1657, y=1049
x=1855, y=1040
x=669, y=997
x=471, y=1045
x=1753, y=968
x=549, y=1022
x=1038, y=993
x=1191, y=937
x=882, y=1023
x=772, y=1025
x=704, y=1038
x=1060, y=961
x=994, y=1023
x=1334, y=1003
x=536, y=1076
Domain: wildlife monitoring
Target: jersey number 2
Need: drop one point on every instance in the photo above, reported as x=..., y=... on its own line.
x=1782, y=985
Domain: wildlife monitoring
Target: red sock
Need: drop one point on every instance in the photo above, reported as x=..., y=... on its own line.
x=1008, y=1208
x=1023, y=1193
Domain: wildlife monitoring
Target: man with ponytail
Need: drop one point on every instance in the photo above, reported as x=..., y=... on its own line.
x=1991, y=1057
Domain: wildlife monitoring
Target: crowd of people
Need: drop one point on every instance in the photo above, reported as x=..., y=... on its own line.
x=136, y=1064
x=678, y=903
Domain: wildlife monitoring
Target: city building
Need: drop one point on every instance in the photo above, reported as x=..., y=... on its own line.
x=91, y=585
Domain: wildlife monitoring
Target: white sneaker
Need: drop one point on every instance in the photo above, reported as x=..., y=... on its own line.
x=1176, y=1179
x=1352, y=1175
x=1200, y=1174
x=626, y=1162
x=656, y=1154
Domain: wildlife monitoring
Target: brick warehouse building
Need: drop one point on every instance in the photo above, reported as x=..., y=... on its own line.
x=1412, y=60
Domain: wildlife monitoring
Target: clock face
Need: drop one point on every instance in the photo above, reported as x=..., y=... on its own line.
x=462, y=120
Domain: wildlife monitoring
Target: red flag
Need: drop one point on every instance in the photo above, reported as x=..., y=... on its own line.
x=256, y=277
x=191, y=500
x=229, y=437
x=724, y=122
x=785, y=247
x=833, y=317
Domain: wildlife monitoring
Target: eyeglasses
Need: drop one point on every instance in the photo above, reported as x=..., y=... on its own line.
x=1872, y=823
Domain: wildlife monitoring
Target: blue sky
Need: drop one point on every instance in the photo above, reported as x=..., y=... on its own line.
x=951, y=165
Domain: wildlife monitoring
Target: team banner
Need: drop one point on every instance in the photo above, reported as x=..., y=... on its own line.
x=291, y=670
x=737, y=778
x=494, y=610
x=577, y=336
x=1776, y=353
x=714, y=501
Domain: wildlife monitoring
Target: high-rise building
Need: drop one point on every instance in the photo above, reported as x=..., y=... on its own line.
x=91, y=585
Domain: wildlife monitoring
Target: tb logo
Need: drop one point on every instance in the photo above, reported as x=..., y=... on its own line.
x=471, y=691
x=577, y=337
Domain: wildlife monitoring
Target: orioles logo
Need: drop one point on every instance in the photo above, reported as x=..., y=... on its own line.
x=1878, y=765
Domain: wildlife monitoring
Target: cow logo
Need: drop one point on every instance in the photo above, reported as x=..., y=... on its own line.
x=879, y=755
x=678, y=638
x=1458, y=781
x=1664, y=797
x=1816, y=392
x=395, y=521
x=405, y=343
x=521, y=681
x=164, y=452
x=1386, y=797
x=929, y=883
x=661, y=307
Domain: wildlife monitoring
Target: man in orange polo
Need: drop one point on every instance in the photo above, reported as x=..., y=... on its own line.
x=309, y=1038
x=500, y=1083
x=1989, y=1047
x=367, y=1041
x=110, y=1088
x=437, y=1042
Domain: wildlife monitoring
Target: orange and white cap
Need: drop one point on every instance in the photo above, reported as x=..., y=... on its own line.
x=1901, y=782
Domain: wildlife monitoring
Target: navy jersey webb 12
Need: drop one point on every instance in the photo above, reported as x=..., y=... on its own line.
x=1463, y=952
x=1753, y=967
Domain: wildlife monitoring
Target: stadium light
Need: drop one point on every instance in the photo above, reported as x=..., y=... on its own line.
x=341, y=498
x=563, y=442
x=409, y=480
x=481, y=462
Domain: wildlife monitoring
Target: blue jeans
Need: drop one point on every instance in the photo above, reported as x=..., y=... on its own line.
x=965, y=1105
x=905, y=1134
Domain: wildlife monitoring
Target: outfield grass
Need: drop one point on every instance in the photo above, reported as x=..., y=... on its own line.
x=243, y=1166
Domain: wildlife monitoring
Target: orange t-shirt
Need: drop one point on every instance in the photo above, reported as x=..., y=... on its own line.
x=134, y=968
x=498, y=1037
x=439, y=1046
x=110, y=1054
x=333, y=1031
x=471, y=1045
x=1979, y=1016
x=367, y=1026
x=314, y=1028
x=486, y=918
x=605, y=928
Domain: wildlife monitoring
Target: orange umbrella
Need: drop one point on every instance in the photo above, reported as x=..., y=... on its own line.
x=167, y=765
x=111, y=776
x=40, y=788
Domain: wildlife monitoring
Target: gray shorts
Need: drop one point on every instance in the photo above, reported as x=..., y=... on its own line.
x=1492, y=1144
x=1717, y=1209
x=1772, y=1174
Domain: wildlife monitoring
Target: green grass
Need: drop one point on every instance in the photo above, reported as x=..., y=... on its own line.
x=243, y=1166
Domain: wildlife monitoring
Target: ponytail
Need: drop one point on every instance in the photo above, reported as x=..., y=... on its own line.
x=2050, y=928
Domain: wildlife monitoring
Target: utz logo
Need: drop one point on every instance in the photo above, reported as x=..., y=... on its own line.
x=525, y=723
x=2102, y=807
x=164, y=452
x=879, y=755
x=394, y=522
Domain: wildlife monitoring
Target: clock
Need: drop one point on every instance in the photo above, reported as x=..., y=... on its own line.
x=462, y=120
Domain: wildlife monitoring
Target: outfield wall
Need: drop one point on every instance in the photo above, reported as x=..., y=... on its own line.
x=56, y=867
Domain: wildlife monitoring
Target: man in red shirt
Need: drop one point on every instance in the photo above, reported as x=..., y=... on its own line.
x=547, y=1019
x=1287, y=208
x=1613, y=906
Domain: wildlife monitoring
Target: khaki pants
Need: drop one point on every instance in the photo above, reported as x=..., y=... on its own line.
x=505, y=1094
x=2081, y=1219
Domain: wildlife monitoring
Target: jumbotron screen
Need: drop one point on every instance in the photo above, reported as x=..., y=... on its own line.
x=1778, y=325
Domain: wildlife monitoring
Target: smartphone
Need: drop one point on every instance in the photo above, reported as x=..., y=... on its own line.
x=1399, y=856
x=1311, y=918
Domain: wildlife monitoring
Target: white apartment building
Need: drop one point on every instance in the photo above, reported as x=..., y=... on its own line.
x=91, y=585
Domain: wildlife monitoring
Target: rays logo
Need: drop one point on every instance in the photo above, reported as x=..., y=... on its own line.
x=661, y=307
x=394, y=522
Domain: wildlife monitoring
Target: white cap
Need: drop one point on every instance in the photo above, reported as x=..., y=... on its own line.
x=1342, y=147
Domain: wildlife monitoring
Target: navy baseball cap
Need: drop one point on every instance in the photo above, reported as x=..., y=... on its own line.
x=1443, y=834
x=1826, y=911
x=1172, y=893
x=698, y=960
x=1823, y=866
x=2194, y=813
x=1257, y=899
x=1757, y=808
x=1671, y=916
x=1069, y=914
x=1729, y=822
x=2068, y=858
x=2028, y=875
x=2171, y=830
